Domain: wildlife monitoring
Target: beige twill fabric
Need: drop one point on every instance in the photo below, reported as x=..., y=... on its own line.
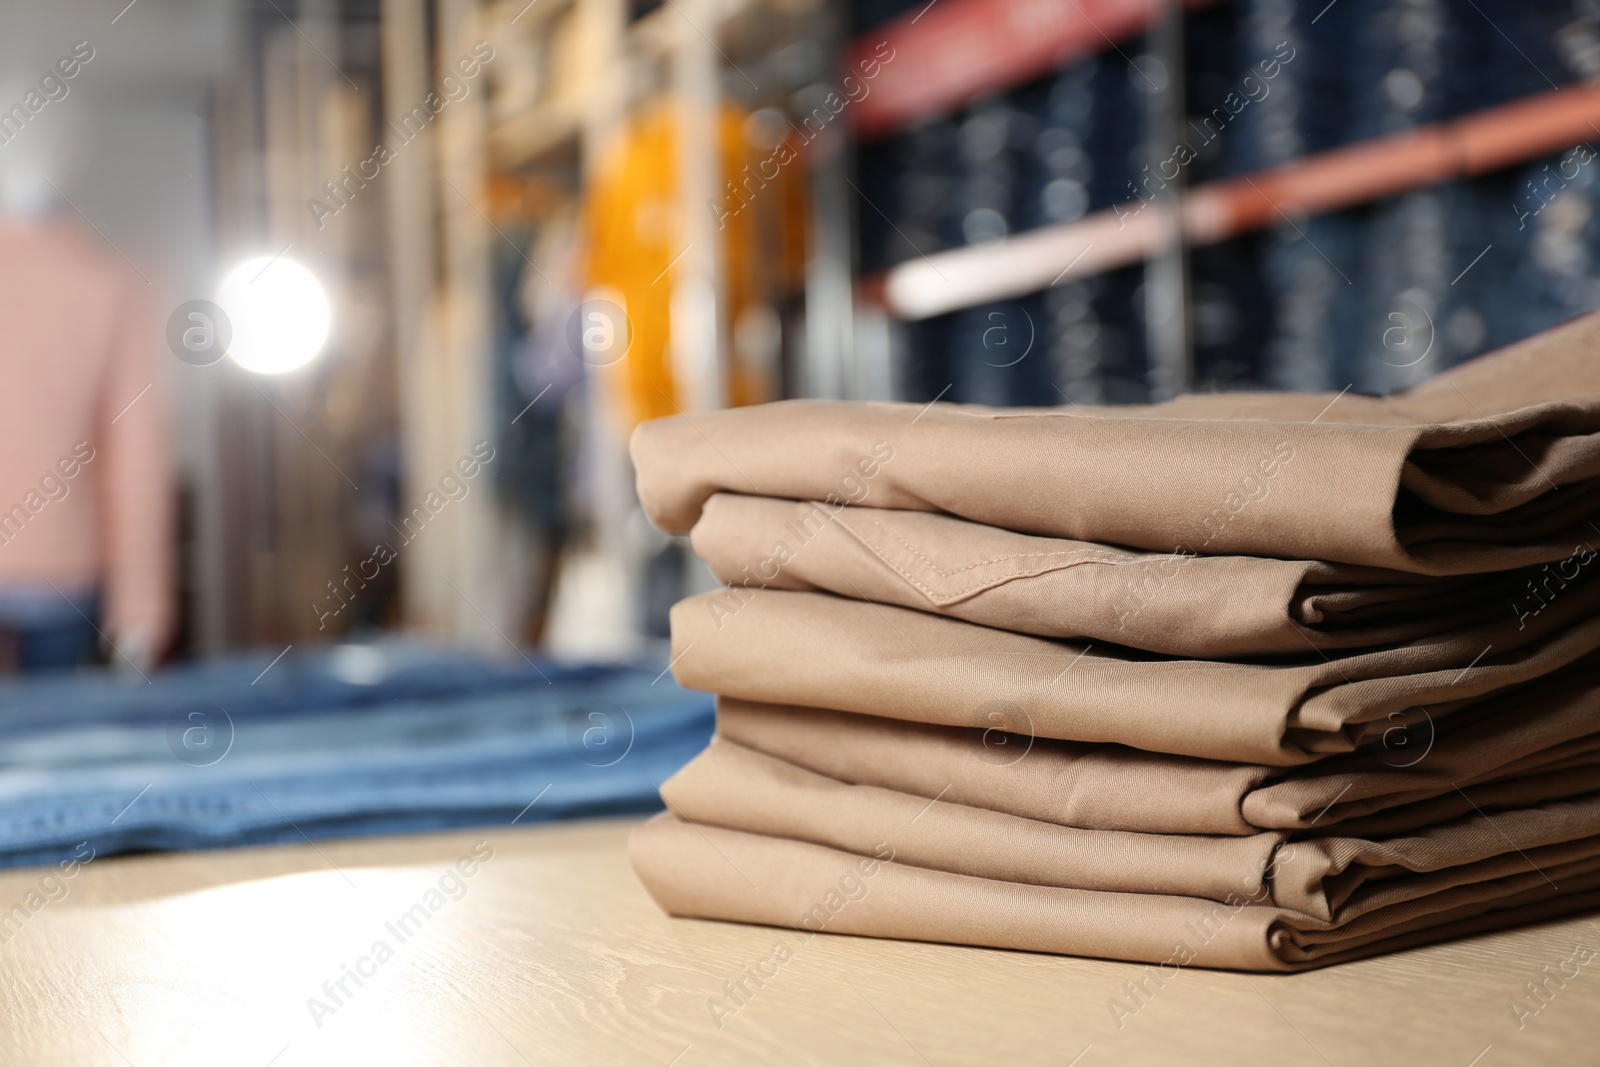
x=851, y=655
x=1434, y=481
x=1254, y=681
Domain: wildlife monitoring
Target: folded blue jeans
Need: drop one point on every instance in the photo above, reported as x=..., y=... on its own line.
x=347, y=741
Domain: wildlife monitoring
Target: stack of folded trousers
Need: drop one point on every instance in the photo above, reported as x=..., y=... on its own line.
x=1254, y=681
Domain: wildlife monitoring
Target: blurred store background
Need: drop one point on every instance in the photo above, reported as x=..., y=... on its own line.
x=354, y=302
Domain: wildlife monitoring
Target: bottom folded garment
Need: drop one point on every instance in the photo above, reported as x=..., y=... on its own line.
x=708, y=872
x=735, y=788
x=852, y=823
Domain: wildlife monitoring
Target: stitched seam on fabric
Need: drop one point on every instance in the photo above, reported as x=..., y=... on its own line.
x=983, y=563
x=984, y=582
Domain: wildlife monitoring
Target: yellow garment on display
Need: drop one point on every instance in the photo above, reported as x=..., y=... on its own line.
x=634, y=225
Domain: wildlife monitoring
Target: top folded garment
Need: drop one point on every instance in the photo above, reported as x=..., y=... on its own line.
x=1204, y=607
x=1488, y=467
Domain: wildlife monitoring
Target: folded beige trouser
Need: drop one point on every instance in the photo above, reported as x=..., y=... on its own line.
x=714, y=873
x=1478, y=470
x=1254, y=681
x=738, y=788
x=849, y=655
x=1202, y=607
x=1543, y=745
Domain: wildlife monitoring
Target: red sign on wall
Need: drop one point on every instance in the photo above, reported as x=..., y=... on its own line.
x=948, y=52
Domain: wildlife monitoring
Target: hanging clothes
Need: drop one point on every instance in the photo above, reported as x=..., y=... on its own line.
x=634, y=226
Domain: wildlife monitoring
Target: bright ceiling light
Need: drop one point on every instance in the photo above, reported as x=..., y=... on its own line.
x=278, y=313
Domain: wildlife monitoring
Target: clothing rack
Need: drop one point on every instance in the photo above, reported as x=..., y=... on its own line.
x=1126, y=233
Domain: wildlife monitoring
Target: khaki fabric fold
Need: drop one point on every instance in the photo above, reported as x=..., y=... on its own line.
x=1554, y=726
x=1431, y=481
x=1207, y=607
x=739, y=789
x=1560, y=780
x=1254, y=681
x=821, y=650
x=1097, y=787
x=712, y=873
x=1320, y=876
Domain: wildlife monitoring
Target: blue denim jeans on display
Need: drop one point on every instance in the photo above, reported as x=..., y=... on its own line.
x=49, y=630
x=55, y=646
x=346, y=741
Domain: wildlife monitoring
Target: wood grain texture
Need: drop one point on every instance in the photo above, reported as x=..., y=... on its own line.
x=550, y=952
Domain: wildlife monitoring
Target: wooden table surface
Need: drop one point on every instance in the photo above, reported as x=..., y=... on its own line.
x=548, y=951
